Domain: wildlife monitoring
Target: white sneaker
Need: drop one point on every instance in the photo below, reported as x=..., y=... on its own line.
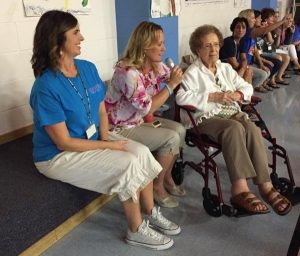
x=147, y=237
x=158, y=221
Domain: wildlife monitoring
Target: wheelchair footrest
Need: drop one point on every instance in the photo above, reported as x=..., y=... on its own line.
x=230, y=211
x=240, y=213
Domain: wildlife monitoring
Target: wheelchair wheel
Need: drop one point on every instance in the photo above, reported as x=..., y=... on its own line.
x=178, y=172
x=211, y=203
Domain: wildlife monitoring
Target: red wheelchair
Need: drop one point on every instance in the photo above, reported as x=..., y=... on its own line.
x=214, y=203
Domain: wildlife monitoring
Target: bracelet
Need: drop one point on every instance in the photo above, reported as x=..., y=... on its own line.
x=170, y=90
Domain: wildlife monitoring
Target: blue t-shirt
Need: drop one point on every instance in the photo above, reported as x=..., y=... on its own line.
x=248, y=44
x=296, y=35
x=54, y=100
x=230, y=49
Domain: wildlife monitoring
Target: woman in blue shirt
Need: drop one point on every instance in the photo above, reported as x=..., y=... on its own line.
x=71, y=139
x=231, y=49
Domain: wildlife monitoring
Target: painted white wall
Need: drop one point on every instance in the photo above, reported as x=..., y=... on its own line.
x=16, y=76
x=100, y=47
x=283, y=6
x=219, y=15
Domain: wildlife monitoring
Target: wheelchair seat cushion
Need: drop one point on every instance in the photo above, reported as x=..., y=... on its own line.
x=248, y=202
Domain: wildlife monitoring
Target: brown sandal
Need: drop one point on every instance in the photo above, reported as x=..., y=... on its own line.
x=260, y=89
x=276, y=86
x=277, y=202
x=248, y=202
x=283, y=82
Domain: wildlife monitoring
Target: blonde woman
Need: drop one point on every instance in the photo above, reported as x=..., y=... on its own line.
x=135, y=93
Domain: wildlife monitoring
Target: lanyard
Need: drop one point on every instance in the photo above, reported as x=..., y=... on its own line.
x=86, y=103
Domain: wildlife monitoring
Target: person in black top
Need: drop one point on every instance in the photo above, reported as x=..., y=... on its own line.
x=230, y=51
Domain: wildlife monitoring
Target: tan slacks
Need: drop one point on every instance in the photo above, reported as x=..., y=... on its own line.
x=164, y=140
x=242, y=146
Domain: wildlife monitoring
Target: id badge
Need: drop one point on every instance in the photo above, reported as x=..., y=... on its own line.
x=90, y=131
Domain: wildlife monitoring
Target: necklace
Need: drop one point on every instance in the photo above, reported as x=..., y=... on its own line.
x=85, y=101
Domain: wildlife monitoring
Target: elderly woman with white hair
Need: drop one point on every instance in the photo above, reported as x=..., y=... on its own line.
x=215, y=89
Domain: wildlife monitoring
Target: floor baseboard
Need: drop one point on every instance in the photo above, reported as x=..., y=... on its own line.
x=7, y=137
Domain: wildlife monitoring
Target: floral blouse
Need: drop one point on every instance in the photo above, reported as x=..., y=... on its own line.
x=129, y=96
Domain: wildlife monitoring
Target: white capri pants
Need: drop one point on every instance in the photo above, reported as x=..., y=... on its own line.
x=104, y=170
x=290, y=50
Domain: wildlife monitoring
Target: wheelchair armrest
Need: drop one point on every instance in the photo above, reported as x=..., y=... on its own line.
x=188, y=108
x=255, y=99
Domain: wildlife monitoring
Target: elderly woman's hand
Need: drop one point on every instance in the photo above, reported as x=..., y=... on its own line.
x=235, y=96
x=225, y=98
x=175, y=77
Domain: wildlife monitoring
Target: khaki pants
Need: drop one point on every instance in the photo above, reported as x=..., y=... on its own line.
x=164, y=140
x=242, y=146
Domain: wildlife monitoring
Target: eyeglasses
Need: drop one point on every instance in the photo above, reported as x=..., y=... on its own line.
x=211, y=46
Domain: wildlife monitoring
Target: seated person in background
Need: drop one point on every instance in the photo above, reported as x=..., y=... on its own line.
x=296, y=37
x=268, y=46
x=230, y=51
x=135, y=93
x=292, y=35
x=272, y=63
x=268, y=15
x=71, y=142
x=287, y=40
x=219, y=116
x=249, y=50
x=254, y=32
x=260, y=31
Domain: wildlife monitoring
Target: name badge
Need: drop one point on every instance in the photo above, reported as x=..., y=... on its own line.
x=90, y=131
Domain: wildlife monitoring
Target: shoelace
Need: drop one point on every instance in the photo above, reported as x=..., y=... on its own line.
x=147, y=231
x=161, y=218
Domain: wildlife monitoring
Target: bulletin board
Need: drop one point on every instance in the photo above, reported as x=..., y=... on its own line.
x=38, y=7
